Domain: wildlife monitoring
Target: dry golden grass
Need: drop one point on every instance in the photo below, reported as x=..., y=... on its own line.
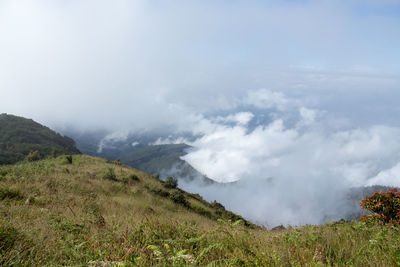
x=56, y=213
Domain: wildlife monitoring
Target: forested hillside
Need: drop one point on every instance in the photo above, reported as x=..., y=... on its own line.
x=20, y=136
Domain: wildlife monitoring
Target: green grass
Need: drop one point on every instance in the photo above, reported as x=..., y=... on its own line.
x=59, y=213
x=20, y=137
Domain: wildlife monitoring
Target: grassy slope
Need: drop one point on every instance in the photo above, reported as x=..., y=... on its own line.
x=159, y=158
x=19, y=136
x=53, y=213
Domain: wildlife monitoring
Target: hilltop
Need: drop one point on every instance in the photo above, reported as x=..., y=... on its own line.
x=19, y=136
x=90, y=211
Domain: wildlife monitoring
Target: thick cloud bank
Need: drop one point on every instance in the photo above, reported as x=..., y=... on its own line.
x=328, y=120
x=293, y=168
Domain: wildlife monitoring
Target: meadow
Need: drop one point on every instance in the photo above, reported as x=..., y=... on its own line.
x=87, y=211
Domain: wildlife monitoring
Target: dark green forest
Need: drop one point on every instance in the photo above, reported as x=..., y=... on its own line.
x=20, y=136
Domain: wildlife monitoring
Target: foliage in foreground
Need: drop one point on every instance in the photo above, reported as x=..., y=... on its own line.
x=76, y=217
x=384, y=205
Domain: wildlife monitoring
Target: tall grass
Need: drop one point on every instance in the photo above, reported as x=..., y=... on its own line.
x=79, y=218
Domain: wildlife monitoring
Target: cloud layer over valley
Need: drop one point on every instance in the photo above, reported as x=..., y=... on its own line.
x=295, y=101
x=293, y=168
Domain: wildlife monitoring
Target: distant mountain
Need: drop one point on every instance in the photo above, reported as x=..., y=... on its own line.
x=165, y=160
x=138, y=150
x=19, y=136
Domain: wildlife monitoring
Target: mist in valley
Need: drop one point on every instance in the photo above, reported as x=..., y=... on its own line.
x=285, y=104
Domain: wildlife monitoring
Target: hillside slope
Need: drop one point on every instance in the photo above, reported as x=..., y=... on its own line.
x=93, y=212
x=165, y=160
x=19, y=136
x=162, y=159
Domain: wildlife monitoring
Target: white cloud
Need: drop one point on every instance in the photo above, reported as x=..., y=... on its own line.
x=111, y=138
x=169, y=140
x=279, y=165
x=132, y=65
x=264, y=98
x=134, y=144
x=241, y=118
x=61, y=64
x=308, y=115
x=389, y=177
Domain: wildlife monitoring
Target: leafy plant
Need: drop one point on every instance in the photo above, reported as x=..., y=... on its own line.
x=200, y=210
x=33, y=156
x=134, y=177
x=171, y=182
x=8, y=237
x=384, y=205
x=110, y=175
x=160, y=192
x=9, y=193
x=179, y=198
x=69, y=159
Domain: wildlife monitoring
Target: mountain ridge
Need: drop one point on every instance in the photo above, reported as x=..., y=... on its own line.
x=20, y=136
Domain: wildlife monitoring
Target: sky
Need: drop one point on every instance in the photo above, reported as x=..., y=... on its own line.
x=305, y=92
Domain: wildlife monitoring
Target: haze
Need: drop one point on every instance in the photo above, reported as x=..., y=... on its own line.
x=305, y=92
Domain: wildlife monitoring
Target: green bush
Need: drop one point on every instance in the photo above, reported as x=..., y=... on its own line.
x=160, y=192
x=178, y=198
x=171, y=182
x=110, y=175
x=385, y=207
x=69, y=159
x=33, y=156
x=200, y=210
x=217, y=205
x=130, y=178
x=8, y=193
x=134, y=177
x=3, y=172
x=8, y=237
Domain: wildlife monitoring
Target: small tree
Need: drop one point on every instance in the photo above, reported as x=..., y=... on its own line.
x=69, y=159
x=384, y=205
x=171, y=182
x=178, y=198
x=33, y=156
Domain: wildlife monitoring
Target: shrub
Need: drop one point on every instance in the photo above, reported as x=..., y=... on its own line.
x=156, y=176
x=134, y=177
x=200, y=210
x=33, y=156
x=385, y=207
x=110, y=175
x=217, y=205
x=7, y=193
x=178, y=197
x=8, y=237
x=160, y=192
x=3, y=172
x=130, y=178
x=69, y=159
x=171, y=182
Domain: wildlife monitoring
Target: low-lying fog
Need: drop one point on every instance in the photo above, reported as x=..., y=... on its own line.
x=327, y=120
